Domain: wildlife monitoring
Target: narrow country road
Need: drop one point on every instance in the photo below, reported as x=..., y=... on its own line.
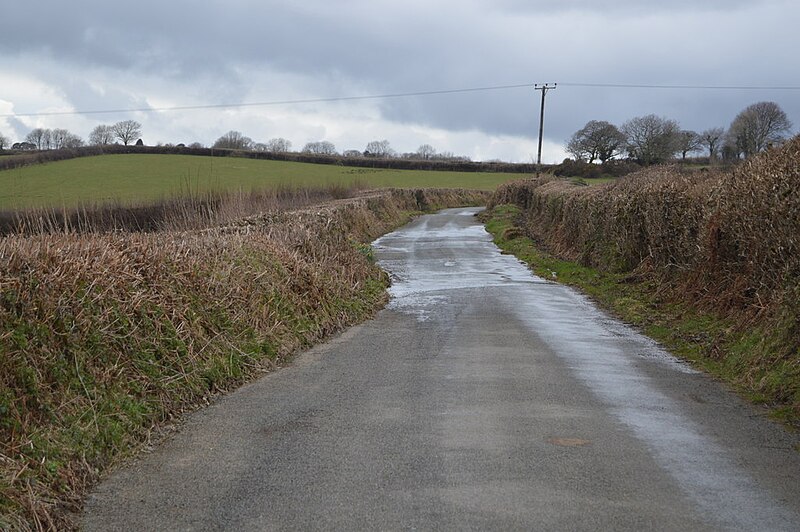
x=481, y=398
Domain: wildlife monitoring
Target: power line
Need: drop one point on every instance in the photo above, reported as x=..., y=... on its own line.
x=683, y=87
x=397, y=95
x=264, y=104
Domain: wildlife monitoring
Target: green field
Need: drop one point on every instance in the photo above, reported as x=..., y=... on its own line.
x=143, y=178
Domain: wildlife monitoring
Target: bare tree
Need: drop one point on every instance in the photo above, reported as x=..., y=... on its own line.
x=38, y=137
x=687, y=141
x=279, y=145
x=62, y=138
x=320, y=148
x=127, y=131
x=352, y=154
x=651, y=139
x=598, y=139
x=72, y=141
x=53, y=139
x=758, y=127
x=379, y=148
x=102, y=135
x=47, y=139
x=233, y=140
x=426, y=151
x=57, y=138
x=4, y=142
x=711, y=140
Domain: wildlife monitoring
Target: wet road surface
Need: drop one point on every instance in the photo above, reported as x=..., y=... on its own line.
x=481, y=398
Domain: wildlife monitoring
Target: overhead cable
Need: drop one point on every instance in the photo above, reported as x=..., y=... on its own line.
x=399, y=95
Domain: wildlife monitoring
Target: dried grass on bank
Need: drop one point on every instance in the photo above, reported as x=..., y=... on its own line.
x=182, y=212
x=105, y=336
x=736, y=233
x=727, y=242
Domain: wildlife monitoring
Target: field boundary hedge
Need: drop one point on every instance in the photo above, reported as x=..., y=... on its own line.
x=726, y=242
x=106, y=336
x=20, y=159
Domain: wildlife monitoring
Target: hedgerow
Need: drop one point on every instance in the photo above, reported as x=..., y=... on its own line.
x=726, y=242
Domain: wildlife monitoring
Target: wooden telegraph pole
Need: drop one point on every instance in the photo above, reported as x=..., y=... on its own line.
x=544, y=88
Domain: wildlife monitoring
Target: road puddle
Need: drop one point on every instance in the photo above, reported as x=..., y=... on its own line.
x=427, y=256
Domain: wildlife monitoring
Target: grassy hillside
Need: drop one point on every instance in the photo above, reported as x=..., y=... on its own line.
x=142, y=178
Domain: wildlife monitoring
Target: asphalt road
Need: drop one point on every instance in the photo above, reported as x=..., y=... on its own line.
x=481, y=398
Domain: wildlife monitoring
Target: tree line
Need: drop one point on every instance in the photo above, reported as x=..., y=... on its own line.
x=653, y=139
x=126, y=131
x=235, y=140
x=129, y=131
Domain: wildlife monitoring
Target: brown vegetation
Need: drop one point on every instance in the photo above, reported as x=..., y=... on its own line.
x=726, y=241
x=584, y=170
x=105, y=336
x=191, y=211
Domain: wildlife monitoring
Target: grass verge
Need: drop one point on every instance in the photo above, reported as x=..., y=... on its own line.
x=751, y=358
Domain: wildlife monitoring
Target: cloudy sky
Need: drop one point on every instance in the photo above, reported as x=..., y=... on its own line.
x=96, y=55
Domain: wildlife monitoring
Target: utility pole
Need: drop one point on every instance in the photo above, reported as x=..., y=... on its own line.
x=544, y=88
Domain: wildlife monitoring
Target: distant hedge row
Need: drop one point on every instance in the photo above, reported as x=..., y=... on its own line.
x=20, y=159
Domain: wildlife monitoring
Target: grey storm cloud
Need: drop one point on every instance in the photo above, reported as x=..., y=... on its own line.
x=375, y=47
x=622, y=6
x=180, y=37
